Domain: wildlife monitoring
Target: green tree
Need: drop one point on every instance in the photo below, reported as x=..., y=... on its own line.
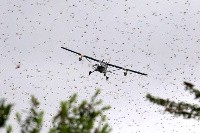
x=33, y=120
x=80, y=118
x=86, y=117
x=179, y=108
x=5, y=110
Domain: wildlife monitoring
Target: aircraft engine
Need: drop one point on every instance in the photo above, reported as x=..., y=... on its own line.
x=125, y=73
x=80, y=58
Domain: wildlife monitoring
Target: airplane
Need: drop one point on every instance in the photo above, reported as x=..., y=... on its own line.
x=102, y=66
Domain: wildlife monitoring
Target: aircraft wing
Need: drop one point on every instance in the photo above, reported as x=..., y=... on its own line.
x=126, y=69
x=81, y=54
x=100, y=61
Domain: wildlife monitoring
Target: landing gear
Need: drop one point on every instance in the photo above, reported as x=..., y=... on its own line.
x=106, y=76
x=90, y=72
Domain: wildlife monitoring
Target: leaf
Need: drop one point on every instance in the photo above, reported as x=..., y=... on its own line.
x=9, y=129
x=95, y=95
x=18, y=117
x=106, y=108
x=73, y=98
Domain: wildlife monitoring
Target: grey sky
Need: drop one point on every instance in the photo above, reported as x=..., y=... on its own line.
x=160, y=38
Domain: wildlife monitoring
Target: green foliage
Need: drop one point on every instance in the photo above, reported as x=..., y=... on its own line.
x=80, y=118
x=190, y=88
x=9, y=129
x=4, y=112
x=181, y=108
x=33, y=122
x=85, y=117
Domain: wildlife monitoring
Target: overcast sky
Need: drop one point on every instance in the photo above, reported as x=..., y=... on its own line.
x=160, y=38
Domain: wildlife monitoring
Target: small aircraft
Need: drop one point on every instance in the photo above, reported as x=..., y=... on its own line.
x=102, y=66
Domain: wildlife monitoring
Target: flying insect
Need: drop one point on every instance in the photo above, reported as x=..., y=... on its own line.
x=102, y=66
